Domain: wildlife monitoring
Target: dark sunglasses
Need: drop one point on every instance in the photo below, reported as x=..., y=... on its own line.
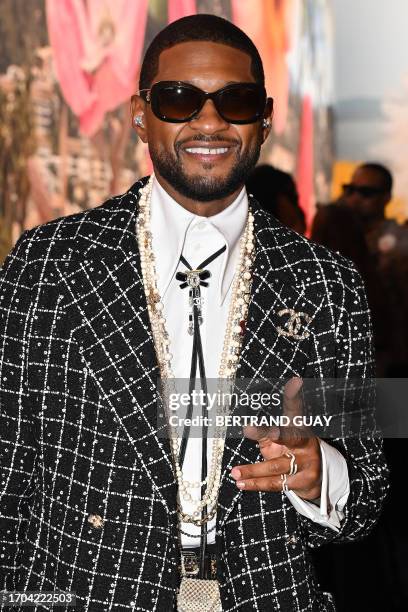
x=178, y=102
x=364, y=190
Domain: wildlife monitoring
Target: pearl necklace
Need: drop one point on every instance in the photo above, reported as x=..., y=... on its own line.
x=229, y=357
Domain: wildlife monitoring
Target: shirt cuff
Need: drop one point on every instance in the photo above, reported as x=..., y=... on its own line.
x=328, y=509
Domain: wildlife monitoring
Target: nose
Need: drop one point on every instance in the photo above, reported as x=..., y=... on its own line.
x=208, y=120
x=353, y=199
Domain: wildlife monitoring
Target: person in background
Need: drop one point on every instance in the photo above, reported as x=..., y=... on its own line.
x=356, y=227
x=340, y=228
x=368, y=194
x=276, y=191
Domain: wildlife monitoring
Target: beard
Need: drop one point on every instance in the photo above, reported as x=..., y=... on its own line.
x=201, y=187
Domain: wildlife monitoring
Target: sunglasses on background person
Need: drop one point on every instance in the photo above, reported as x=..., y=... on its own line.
x=365, y=191
x=178, y=102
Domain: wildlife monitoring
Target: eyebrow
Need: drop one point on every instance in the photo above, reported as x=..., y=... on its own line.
x=189, y=82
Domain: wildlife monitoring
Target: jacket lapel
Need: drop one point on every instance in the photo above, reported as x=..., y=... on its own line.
x=266, y=354
x=116, y=341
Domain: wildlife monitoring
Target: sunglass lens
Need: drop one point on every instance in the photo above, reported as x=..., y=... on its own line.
x=241, y=104
x=175, y=103
x=369, y=192
x=363, y=190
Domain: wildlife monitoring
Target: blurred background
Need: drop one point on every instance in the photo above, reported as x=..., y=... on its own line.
x=336, y=68
x=338, y=71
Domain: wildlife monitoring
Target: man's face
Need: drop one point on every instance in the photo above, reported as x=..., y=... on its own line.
x=196, y=174
x=365, y=193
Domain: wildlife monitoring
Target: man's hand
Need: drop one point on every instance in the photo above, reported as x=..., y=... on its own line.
x=274, y=442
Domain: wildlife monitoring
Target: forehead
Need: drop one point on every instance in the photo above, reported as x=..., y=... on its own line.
x=205, y=64
x=365, y=176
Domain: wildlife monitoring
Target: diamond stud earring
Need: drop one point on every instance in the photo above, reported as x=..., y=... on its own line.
x=139, y=121
x=266, y=123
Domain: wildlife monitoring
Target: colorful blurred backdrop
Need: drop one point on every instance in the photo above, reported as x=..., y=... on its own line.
x=69, y=67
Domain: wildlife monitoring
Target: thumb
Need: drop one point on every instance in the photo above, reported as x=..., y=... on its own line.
x=292, y=399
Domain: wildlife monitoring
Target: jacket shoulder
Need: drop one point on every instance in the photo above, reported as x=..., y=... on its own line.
x=302, y=260
x=80, y=233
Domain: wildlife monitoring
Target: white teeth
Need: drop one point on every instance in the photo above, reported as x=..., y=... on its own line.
x=203, y=151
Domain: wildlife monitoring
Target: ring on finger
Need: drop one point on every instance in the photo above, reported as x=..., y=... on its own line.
x=293, y=465
x=284, y=479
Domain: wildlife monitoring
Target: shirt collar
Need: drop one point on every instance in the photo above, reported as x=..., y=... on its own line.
x=169, y=222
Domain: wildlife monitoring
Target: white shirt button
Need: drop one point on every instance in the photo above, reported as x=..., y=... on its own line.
x=202, y=225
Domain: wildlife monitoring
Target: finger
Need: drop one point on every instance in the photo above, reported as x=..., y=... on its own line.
x=293, y=436
x=304, y=484
x=271, y=450
x=273, y=467
x=261, y=433
x=292, y=399
x=268, y=483
x=290, y=435
x=266, y=437
x=271, y=442
x=287, y=437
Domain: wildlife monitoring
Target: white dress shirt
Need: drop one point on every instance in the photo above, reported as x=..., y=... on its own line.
x=177, y=231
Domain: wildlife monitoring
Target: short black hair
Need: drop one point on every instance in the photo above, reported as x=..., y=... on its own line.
x=201, y=27
x=267, y=182
x=386, y=175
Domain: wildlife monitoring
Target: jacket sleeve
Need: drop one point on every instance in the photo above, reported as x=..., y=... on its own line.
x=367, y=468
x=17, y=446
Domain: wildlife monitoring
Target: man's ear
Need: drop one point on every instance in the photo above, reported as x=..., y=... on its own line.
x=137, y=111
x=267, y=118
x=387, y=198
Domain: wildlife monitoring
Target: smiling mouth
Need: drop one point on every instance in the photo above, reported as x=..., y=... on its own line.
x=204, y=153
x=207, y=151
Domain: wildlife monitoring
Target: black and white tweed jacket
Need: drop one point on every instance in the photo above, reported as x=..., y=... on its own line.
x=78, y=423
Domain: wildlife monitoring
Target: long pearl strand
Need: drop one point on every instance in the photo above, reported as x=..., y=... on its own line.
x=229, y=357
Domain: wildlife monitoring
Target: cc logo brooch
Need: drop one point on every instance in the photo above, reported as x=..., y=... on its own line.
x=294, y=324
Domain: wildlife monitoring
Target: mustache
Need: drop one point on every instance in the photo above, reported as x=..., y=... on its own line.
x=206, y=140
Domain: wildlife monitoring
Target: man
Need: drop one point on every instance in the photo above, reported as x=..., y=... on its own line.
x=368, y=194
x=94, y=304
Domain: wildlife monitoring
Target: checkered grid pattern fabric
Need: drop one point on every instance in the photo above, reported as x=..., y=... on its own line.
x=79, y=435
